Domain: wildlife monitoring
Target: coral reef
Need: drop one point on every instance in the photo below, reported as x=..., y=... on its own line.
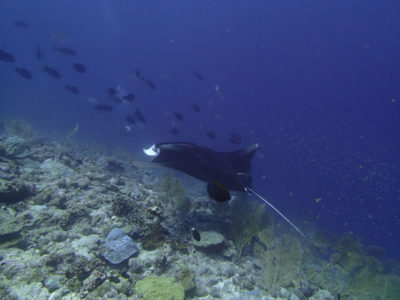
x=60, y=200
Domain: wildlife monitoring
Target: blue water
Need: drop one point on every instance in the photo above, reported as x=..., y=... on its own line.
x=315, y=83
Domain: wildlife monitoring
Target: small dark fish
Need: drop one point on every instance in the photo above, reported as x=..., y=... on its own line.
x=129, y=97
x=52, y=72
x=79, y=68
x=138, y=74
x=103, y=107
x=130, y=119
x=196, y=108
x=178, y=116
x=234, y=138
x=72, y=89
x=149, y=83
x=21, y=24
x=39, y=54
x=197, y=74
x=116, y=99
x=218, y=192
x=66, y=51
x=195, y=234
x=211, y=135
x=174, y=131
x=338, y=296
x=5, y=56
x=24, y=73
x=139, y=116
x=112, y=92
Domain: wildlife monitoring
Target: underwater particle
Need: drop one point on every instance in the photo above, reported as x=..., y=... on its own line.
x=195, y=234
x=24, y=73
x=5, y=56
x=218, y=89
x=52, y=72
x=119, y=246
x=393, y=100
x=317, y=200
x=218, y=192
x=79, y=68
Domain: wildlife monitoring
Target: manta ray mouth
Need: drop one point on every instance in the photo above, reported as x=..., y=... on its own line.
x=152, y=151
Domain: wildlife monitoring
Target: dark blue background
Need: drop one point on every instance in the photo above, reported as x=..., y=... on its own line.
x=316, y=83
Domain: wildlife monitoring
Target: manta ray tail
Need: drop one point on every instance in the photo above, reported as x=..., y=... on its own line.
x=251, y=191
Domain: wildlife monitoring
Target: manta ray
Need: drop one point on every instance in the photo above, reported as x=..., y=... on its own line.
x=228, y=169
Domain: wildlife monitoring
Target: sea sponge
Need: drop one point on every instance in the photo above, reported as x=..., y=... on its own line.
x=160, y=288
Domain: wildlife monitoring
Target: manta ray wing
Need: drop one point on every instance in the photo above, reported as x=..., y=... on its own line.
x=231, y=169
x=205, y=164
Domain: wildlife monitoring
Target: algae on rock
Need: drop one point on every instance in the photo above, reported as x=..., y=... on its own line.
x=160, y=288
